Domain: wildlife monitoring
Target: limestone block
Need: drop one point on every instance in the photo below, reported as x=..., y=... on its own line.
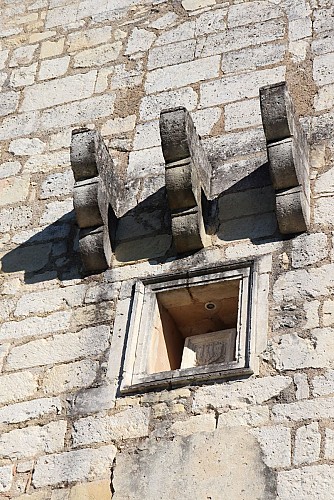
x=23, y=76
x=17, y=386
x=20, y=412
x=6, y=478
x=26, y=147
x=253, y=58
x=9, y=169
x=52, y=68
x=29, y=441
x=96, y=490
x=22, y=55
x=308, y=249
x=91, y=341
x=329, y=443
x=139, y=40
x=180, y=75
x=127, y=424
x=65, y=377
x=207, y=466
x=97, y=56
x=14, y=190
x=307, y=445
x=59, y=184
x=60, y=91
x=35, y=326
x=193, y=425
x=247, y=415
x=235, y=88
x=252, y=392
x=84, y=39
x=191, y=5
x=183, y=31
x=302, y=387
x=323, y=384
x=51, y=49
x=313, y=409
x=152, y=105
x=80, y=465
x=9, y=102
x=317, y=481
x=276, y=445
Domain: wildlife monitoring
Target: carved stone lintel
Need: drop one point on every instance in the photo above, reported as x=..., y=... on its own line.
x=288, y=156
x=186, y=171
x=94, y=193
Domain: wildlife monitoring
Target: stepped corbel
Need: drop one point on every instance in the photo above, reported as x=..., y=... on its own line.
x=186, y=171
x=288, y=157
x=93, y=171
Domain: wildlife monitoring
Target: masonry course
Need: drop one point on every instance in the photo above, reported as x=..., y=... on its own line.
x=114, y=66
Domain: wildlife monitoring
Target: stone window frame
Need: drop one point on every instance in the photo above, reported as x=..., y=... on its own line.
x=252, y=335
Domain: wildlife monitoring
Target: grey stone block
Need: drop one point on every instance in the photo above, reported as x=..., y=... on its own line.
x=292, y=211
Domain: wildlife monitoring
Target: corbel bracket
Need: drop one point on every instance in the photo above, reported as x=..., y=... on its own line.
x=186, y=170
x=93, y=171
x=288, y=156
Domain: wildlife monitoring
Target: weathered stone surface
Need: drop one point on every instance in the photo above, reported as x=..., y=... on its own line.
x=17, y=386
x=50, y=48
x=152, y=105
x=308, y=249
x=97, y=56
x=252, y=391
x=33, y=440
x=64, y=378
x=60, y=348
x=81, y=465
x=139, y=40
x=206, y=464
x=313, y=409
x=329, y=443
x=14, y=190
x=96, y=490
x=246, y=415
x=59, y=184
x=36, y=326
x=307, y=444
x=20, y=412
x=182, y=74
x=9, y=168
x=52, y=68
x=317, y=481
x=291, y=352
x=26, y=147
x=6, y=478
x=275, y=443
x=9, y=102
x=84, y=39
x=235, y=88
x=127, y=424
x=24, y=76
x=323, y=384
x=193, y=425
x=48, y=94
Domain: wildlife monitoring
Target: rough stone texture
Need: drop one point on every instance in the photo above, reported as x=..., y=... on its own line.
x=81, y=465
x=112, y=67
x=33, y=440
x=60, y=348
x=307, y=445
x=275, y=444
x=21, y=412
x=207, y=465
x=317, y=480
x=132, y=423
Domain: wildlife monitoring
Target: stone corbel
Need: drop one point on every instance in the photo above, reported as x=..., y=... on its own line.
x=288, y=157
x=93, y=171
x=186, y=171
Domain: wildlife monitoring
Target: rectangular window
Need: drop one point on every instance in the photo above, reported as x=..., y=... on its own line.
x=188, y=328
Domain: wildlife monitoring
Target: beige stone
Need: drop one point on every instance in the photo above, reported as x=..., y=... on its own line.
x=51, y=49
x=97, y=490
x=14, y=190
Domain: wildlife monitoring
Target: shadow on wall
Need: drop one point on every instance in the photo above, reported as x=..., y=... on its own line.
x=48, y=254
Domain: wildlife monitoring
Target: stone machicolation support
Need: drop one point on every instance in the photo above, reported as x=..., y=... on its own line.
x=186, y=170
x=288, y=157
x=93, y=171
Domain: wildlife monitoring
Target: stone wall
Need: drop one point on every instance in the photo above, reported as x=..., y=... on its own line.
x=114, y=65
